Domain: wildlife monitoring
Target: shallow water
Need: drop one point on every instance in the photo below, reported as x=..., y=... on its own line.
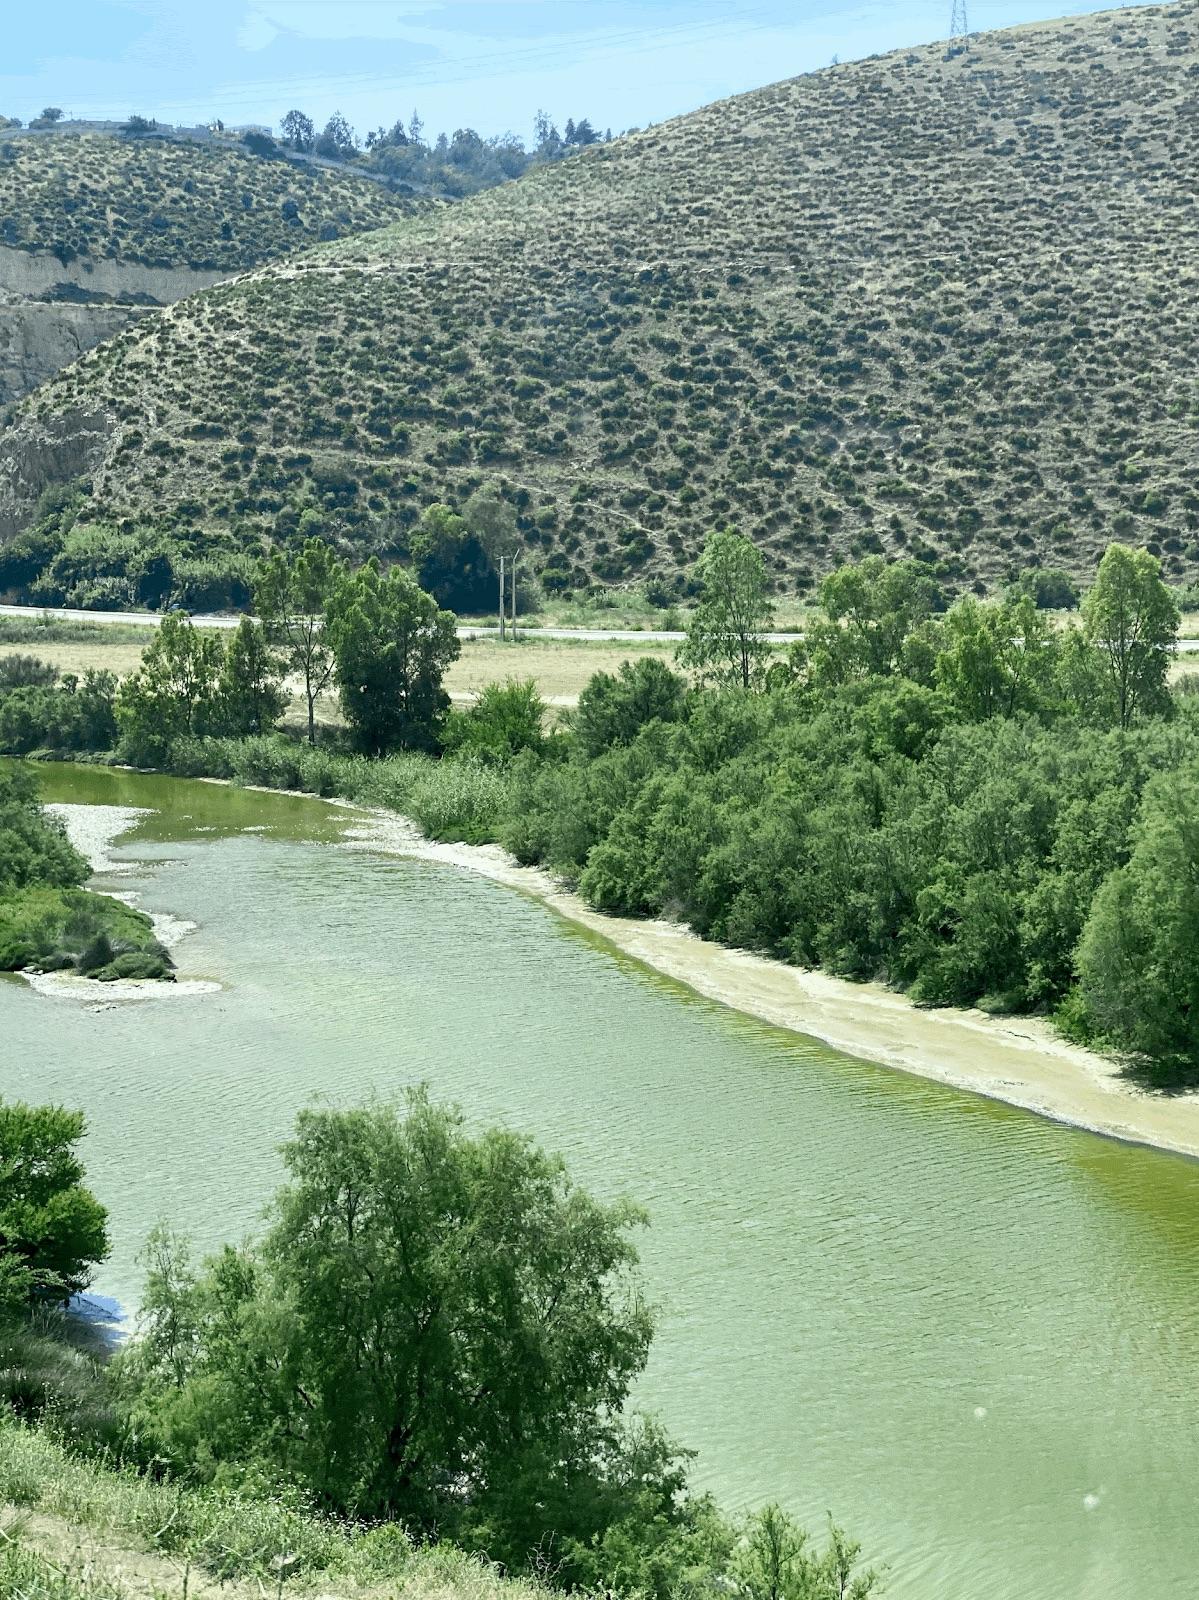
x=971, y=1334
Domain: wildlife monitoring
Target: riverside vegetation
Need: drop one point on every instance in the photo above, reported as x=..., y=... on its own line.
x=489, y=1322
x=735, y=316
x=964, y=801
x=48, y=922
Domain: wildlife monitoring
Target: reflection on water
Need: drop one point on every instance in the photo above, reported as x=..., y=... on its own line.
x=971, y=1334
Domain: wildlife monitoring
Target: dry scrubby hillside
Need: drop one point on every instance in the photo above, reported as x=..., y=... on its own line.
x=162, y=203
x=926, y=304
x=95, y=228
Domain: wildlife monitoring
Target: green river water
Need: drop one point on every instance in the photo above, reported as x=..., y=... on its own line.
x=971, y=1334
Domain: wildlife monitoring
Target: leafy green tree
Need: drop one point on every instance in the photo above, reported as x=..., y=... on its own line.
x=614, y=707
x=250, y=688
x=432, y=1318
x=996, y=659
x=1137, y=970
x=774, y=1560
x=450, y=561
x=492, y=521
x=506, y=719
x=1049, y=588
x=392, y=645
x=53, y=1231
x=725, y=642
x=1131, y=619
x=292, y=596
x=175, y=692
x=298, y=131
x=869, y=609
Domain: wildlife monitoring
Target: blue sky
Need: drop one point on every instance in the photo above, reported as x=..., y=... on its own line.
x=487, y=64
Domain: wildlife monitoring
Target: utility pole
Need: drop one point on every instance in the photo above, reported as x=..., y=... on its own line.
x=503, y=597
x=959, y=27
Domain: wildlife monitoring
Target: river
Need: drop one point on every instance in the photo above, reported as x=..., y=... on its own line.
x=971, y=1334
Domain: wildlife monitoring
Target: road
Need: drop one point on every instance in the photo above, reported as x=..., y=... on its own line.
x=467, y=631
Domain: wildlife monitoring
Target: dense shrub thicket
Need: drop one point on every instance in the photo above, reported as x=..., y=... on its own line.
x=973, y=807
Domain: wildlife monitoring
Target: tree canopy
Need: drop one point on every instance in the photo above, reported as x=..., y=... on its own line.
x=392, y=644
x=432, y=1317
x=725, y=642
x=53, y=1231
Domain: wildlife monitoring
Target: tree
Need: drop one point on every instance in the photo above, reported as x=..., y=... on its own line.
x=1137, y=970
x=1050, y=588
x=1131, y=619
x=336, y=141
x=614, y=707
x=450, y=562
x=505, y=719
x=291, y=597
x=774, y=1560
x=34, y=848
x=996, y=659
x=250, y=688
x=870, y=609
x=53, y=1231
x=493, y=522
x=175, y=692
x=298, y=131
x=392, y=644
x=724, y=636
x=432, y=1318
x=47, y=117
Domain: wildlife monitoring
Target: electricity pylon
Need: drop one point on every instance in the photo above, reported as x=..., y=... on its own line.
x=959, y=22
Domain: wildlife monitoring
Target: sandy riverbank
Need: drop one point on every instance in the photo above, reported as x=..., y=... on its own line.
x=1020, y=1060
x=93, y=830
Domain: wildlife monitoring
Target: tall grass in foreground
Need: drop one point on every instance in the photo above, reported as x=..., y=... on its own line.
x=454, y=798
x=230, y=1535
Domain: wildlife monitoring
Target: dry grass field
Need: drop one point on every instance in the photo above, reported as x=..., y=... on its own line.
x=560, y=668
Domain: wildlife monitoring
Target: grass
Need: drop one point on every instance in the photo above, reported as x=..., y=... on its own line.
x=454, y=798
x=559, y=667
x=823, y=311
x=61, y=1506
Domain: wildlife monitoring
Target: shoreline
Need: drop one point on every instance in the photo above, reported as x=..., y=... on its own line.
x=93, y=835
x=1020, y=1061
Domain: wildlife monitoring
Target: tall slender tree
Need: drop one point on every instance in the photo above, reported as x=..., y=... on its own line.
x=292, y=596
x=1131, y=619
x=725, y=638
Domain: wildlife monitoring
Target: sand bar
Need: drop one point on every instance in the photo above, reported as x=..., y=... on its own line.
x=1020, y=1060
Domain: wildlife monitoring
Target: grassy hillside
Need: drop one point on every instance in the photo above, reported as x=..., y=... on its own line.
x=70, y=1529
x=162, y=204
x=942, y=305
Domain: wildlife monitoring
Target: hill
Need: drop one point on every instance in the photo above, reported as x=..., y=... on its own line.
x=933, y=303
x=94, y=228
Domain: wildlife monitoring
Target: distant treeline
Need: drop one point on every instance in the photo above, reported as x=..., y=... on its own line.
x=456, y=164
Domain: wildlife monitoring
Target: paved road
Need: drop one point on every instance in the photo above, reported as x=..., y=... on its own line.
x=468, y=631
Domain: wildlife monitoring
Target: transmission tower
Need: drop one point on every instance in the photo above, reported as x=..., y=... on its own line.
x=959, y=23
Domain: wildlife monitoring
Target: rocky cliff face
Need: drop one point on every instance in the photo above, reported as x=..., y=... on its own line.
x=37, y=453
x=51, y=312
